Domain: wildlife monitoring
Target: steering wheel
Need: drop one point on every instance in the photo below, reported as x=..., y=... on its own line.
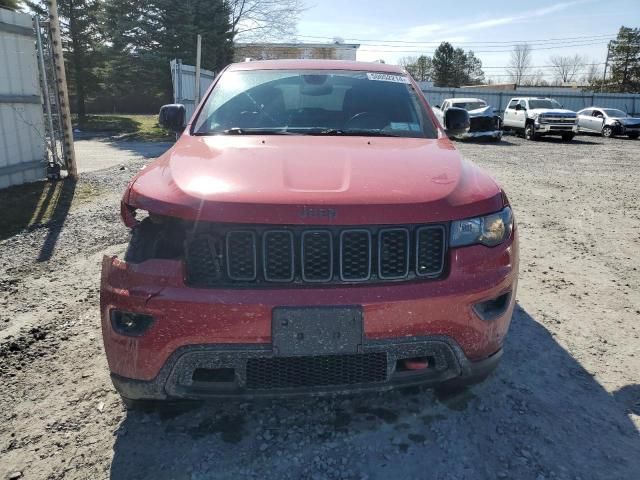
x=367, y=120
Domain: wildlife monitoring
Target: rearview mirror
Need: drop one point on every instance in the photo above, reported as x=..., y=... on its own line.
x=456, y=121
x=172, y=117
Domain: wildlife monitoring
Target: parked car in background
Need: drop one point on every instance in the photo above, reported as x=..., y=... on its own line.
x=312, y=231
x=608, y=121
x=483, y=120
x=535, y=117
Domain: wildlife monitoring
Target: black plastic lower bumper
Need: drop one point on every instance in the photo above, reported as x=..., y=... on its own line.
x=253, y=371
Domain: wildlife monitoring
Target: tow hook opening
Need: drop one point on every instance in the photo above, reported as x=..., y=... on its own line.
x=414, y=364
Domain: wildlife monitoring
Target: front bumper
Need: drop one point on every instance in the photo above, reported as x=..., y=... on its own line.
x=497, y=134
x=448, y=366
x=558, y=129
x=189, y=321
x=626, y=130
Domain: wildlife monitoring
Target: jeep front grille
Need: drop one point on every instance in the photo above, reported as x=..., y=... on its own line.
x=218, y=256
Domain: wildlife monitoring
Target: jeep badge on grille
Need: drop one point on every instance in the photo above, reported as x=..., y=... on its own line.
x=313, y=212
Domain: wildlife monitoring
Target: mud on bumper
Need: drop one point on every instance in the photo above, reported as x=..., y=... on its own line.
x=253, y=371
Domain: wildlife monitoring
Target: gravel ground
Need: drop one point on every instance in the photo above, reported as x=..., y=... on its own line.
x=564, y=404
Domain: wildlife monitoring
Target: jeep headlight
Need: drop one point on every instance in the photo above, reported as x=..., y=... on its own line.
x=490, y=230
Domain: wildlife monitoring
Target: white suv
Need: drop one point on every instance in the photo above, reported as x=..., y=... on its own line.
x=540, y=116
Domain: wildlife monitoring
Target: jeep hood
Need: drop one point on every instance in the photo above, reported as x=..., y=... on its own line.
x=269, y=179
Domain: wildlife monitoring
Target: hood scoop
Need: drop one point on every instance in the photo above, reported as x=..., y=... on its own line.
x=331, y=175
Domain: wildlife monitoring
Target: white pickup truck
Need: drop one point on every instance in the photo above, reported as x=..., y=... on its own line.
x=536, y=117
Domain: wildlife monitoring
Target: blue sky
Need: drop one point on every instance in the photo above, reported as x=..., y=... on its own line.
x=470, y=24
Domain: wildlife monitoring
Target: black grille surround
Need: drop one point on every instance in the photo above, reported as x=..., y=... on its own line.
x=228, y=255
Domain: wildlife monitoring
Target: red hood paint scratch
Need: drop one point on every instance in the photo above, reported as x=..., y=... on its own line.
x=242, y=179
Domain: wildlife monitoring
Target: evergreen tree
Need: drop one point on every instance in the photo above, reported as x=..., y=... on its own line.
x=625, y=61
x=452, y=67
x=147, y=35
x=419, y=68
x=82, y=43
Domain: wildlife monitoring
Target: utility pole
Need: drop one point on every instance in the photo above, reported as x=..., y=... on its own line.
x=606, y=64
x=198, y=59
x=63, y=92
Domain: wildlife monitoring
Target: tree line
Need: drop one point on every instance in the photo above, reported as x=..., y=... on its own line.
x=117, y=52
x=623, y=65
x=453, y=67
x=449, y=67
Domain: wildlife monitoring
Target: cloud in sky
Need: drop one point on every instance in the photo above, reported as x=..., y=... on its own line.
x=429, y=31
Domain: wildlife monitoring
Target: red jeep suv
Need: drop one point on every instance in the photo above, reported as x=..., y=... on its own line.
x=312, y=231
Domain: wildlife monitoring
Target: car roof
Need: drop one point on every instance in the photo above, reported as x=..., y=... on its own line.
x=460, y=100
x=295, y=64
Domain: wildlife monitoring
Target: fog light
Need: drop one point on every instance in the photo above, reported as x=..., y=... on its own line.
x=130, y=324
x=492, y=309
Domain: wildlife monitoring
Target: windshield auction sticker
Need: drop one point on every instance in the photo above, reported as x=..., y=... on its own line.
x=386, y=77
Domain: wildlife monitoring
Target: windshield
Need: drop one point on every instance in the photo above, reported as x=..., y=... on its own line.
x=314, y=103
x=615, y=113
x=544, y=103
x=468, y=106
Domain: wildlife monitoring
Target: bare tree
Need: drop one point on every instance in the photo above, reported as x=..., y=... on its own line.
x=519, y=63
x=264, y=19
x=592, y=72
x=567, y=68
x=535, y=79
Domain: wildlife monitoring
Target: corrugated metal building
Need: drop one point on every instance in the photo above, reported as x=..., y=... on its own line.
x=274, y=51
x=571, y=99
x=22, y=131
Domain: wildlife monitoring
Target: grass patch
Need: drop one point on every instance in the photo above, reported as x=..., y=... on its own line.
x=130, y=127
x=39, y=203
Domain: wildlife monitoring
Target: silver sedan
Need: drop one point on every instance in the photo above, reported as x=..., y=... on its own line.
x=608, y=121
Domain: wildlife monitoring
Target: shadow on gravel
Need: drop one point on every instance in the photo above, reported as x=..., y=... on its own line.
x=58, y=216
x=34, y=205
x=144, y=149
x=504, y=142
x=575, y=141
x=541, y=416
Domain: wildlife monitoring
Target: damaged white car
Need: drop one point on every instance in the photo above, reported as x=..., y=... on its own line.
x=484, y=121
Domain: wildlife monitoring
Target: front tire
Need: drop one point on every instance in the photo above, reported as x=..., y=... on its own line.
x=633, y=136
x=530, y=132
x=607, y=131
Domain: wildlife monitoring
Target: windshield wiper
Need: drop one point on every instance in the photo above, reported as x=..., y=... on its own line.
x=360, y=132
x=258, y=131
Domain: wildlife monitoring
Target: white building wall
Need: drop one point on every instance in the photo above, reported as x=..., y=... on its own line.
x=21, y=120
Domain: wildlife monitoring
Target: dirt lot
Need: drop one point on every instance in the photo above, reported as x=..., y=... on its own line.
x=565, y=403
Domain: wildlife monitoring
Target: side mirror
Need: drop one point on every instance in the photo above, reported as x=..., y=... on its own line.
x=437, y=106
x=173, y=117
x=518, y=107
x=456, y=121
